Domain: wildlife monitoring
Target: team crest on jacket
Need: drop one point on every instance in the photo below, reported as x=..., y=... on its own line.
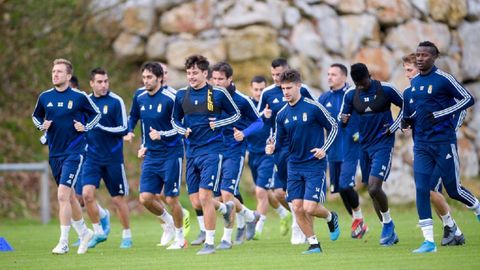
x=70, y=104
x=159, y=108
x=105, y=109
x=429, y=89
x=304, y=117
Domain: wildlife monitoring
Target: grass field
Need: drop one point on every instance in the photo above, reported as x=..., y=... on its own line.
x=33, y=242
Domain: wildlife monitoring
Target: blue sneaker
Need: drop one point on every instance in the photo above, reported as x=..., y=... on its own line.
x=388, y=237
x=333, y=227
x=105, y=221
x=97, y=239
x=206, y=250
x=126, y=243
x=426, y=247
x=76, y=243
x=250, y=233
x=312, y=249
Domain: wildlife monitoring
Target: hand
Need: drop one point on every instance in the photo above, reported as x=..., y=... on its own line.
x=78, y=126
x=267, y=112
x=270, y=147
x=345, y=117
x=318, y=153
x=387, y=130
x=46, y=124
x=187, y=132
x=406, y=123
x=141, y=152
x=238, y=135
x=154, y=134
x=129, y=137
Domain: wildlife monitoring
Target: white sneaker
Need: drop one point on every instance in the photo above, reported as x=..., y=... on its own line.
x=298, y=238
x=167, y=236
x=178, y=245
x=60, y=249
x=84, y=240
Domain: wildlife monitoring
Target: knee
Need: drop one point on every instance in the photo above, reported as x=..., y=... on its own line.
x=88, y=197
x=204, y=198
x=146, y=199
x=172, y=201
x=279, y=194
x=374, y=190
x=298, y=209
x=309, y=209
x=261, y=193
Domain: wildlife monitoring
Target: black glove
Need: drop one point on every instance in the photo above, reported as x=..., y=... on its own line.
x=406, y=123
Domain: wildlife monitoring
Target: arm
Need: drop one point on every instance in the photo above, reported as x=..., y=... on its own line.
x=38, y=115
x=134, y=113
x=252, y=114
x=177, y=115
x=229, y=106
x=120, y=119
x=306, y=92
x=397, y=99
x=346, y=108
x=455, y=90
x=323, y=116
x=92, y=112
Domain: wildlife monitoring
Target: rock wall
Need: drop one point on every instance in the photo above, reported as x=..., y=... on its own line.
x=312, y=35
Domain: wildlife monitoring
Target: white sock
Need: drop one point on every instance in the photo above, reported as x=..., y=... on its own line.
x=447, y=220
x=97, y=228
x=126, y=233
x=249, y=215
x=101, y=211
x=312, y=240
x=427, y=228
x=64, y=230
x=329, y=217
x=386, y=218
x=240, y=220
x=357, y=214
x=227, y=235
x=222, y=209
x=458, y=232
x=209, y=237
x=179, y=235
x=80, y=227
x=201, y=223
x=166, y=217
x=260, y=223
x=281, y=211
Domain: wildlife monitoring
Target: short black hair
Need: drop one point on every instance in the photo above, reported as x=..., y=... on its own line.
x=342, y=68
x=280, y=62
x=155, y=68
x=96, y=71
x=258, y=79
x=199, y=60
x=223, y=67
x=74, y=82
x=431, y=45
x=359, y=71
x=290, y=76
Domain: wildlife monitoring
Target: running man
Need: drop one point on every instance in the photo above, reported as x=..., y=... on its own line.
x=301, y=123
x=372, y=99
x=198, y=115
x=104, y=158
x=66, y=114
x=435, y=97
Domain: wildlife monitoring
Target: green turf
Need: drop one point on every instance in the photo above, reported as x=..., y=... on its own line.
x=33, y=242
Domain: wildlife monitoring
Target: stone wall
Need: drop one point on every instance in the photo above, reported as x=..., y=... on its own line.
x=312, y=35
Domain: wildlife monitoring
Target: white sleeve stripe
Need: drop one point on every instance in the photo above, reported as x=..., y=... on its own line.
x=266, y=89
x=339, y=117
x=96, y=119
x=249, y=102
x=461, y=118
x=124, y=125
x=396, y=123
x=314, y=97
x=179, y=129
x=276, y=124
x=232, y=118
x=333, y=132
x=459, y=88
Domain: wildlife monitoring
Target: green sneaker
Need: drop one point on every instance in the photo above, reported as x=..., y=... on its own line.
x=257, y=235
x=285, y=224
x=186, y=222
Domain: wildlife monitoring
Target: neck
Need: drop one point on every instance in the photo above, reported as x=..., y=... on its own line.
x=201, y=86
x=337, y=87
x=423, y=72
x=62, y=87
x=294, y=101
x=154, y=91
